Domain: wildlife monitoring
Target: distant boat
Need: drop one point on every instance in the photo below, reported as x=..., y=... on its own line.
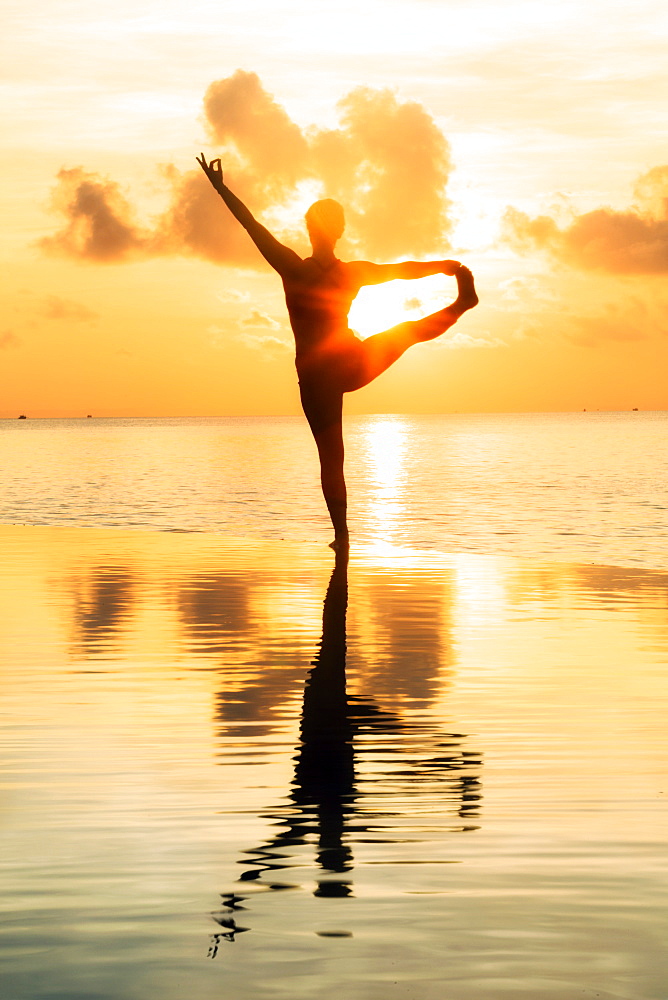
x=23, y=417
x=88, y=416
x=635, y=409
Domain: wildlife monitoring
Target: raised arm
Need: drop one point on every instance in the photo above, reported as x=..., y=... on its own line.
x=282, y=258
x=367, y=273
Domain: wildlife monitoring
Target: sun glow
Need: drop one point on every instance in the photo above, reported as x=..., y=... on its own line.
x=379, y=307
x=385, y=444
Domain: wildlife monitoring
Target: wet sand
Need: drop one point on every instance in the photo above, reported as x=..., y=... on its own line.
x=231, y=771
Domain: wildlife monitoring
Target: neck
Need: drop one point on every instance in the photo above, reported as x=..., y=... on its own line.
x=323, y=252
x=324, y=259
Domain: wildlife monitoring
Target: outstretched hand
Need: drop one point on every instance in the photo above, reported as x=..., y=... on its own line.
x=213, y=171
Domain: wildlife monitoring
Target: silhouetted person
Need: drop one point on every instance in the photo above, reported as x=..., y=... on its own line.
x=330, y=358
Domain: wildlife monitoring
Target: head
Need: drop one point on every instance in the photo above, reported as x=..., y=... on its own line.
x=325, y=221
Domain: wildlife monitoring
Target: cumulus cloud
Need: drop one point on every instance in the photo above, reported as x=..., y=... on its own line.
x=271, y=148
x=99, y=222
x=651, y=192
x=388, y=163
x=629, y=242
x=195, y=224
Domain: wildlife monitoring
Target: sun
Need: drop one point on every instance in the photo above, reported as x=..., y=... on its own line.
x=379, y=307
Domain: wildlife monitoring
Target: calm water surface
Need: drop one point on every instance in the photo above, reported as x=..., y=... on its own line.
x=235, y=770
x=587, y=487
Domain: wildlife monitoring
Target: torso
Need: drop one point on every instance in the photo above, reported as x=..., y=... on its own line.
x=318, y=302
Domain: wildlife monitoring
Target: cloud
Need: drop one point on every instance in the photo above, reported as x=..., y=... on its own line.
x=265, y=342
x=525, y=287
x=256, y=331
x=465, y=340
x=260, y=332
x=259, y=319
x=99, y=221
x=629, y=242
x=388, y=163
x=628, y=320
x=56, y=308
x=197, y=225
x=651, y=192
x=235, y=295
x=272, y=148
x=8, y=339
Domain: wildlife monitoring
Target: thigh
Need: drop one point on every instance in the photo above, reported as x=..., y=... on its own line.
x=322, y=403
x=382, y=350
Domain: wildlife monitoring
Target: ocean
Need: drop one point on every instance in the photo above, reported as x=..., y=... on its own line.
x=235, y=765
x=584, y=487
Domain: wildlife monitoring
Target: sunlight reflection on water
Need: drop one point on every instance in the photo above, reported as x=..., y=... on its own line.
x=583, y=487
x=424, y=776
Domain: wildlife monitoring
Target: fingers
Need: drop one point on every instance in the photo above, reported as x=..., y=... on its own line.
x=213, y=170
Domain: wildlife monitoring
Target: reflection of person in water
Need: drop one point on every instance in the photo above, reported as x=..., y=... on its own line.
x=323, y=789
x=330, y=359
x=325, y=799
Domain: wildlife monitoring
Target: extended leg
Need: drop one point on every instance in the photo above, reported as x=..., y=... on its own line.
x=323, y=408
x=383, y=349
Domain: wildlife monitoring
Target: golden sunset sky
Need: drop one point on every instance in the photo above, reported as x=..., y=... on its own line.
x=526, y=139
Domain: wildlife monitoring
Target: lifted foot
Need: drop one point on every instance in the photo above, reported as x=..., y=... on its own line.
x=467, y=297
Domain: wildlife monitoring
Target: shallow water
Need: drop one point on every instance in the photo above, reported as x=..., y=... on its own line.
x=232, y=772
x=580, y=487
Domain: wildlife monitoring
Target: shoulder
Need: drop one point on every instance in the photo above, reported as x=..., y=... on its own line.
x=358, y=271
x=301, y=270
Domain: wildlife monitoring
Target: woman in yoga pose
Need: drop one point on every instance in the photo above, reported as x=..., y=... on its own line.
x=330, y=359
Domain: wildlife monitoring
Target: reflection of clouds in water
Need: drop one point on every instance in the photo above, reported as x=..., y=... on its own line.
x=256, y=633
x=558, y=670
x=213, y=610
x=103, y=598
x=634, y=595
x=362, y=775
x=400, y=632
x=611, y=587
x=237, y=625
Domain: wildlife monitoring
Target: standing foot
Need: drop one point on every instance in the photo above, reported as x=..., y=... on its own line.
x=340, y=544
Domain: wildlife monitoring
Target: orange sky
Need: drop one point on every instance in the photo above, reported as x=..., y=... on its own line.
x=528, y=140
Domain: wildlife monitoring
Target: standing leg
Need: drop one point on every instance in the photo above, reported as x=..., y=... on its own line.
x=323, y=408
x=383, y=349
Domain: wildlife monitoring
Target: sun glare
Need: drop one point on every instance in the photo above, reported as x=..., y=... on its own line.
x=385, y=441
x=290, y=215
x=379, y=307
